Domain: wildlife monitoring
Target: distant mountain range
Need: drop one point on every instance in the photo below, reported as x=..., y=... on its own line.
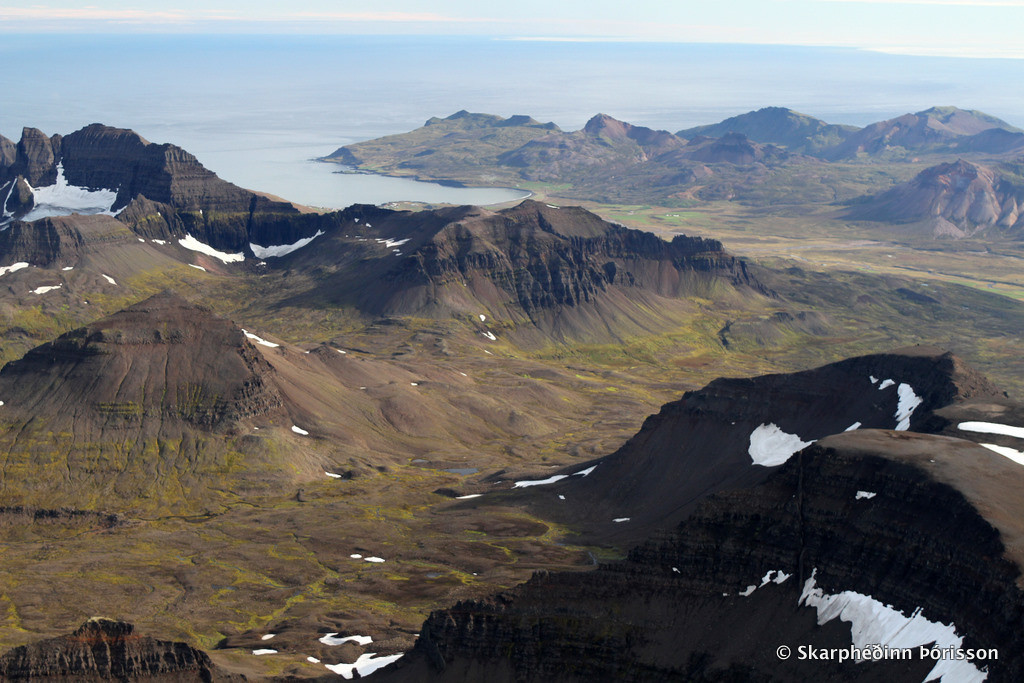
x=772, y=156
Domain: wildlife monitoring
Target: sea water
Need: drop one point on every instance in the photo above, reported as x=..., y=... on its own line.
x=259, y=109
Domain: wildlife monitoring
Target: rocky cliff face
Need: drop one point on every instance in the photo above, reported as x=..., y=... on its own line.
x=876, y=518
x=528, y=262
x=105, y=650
x=161, y=190
x=61, y=240
x=954, y=199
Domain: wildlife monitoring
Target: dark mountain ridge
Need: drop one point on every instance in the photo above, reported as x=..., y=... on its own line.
x=106, y=649
x=913, y=539
x=733, y=432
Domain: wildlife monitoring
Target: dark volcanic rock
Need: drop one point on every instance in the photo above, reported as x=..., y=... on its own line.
x=894, y=518
x=702, y=443
x=105, y=650
x=531, y=263
x=8, y=154
x=18, y=197
x=36, y=158
x=61, y=240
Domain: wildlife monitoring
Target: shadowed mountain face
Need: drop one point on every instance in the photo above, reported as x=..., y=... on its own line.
x=954, y=200
x=888, y=528
x=867, y=537
x=105, y=650
x=734, y=432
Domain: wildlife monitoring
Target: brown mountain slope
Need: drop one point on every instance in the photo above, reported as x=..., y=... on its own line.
x=955, y=200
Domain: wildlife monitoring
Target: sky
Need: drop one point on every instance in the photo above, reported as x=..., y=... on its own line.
x=961, y=28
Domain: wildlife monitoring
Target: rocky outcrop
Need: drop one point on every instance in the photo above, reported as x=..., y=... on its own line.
x=105, y=650
x=955, y=199
x=880, y=517
x=35, y=158
x=166, y=190
x=530, y=261
x=720, y=436
x=61, y=240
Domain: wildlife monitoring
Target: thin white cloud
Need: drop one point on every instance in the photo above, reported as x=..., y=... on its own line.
x=42, y=13
x=949, y=3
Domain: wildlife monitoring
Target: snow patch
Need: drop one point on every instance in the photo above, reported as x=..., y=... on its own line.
x=198, y=267
x=540, y=482
x=375, y=560
x=356, y=556
x=44, y=290
x=192, y=244
x=340, y=351
x=61, y=199
x=750, y=589
x=855, y=426
x=770, y=446
x=312, y=660
x=1011, y=453
x=12, y=268
x=886, y=384
x=67, y=268
x=268, y=636
x=160, y=242
x=905, y=408
x=874, y=380
x=991, y=428
x=620, y=520
x=332, y=639
x=873, y=623
x=332, y=475
x=365, y=665
x=583, y=473
x=490, y=335
x=467, y=497
x=108, y=279
x=299, y=430
x=865, y=495
x=483, y=317
x=260, y=340
x=264, y=652
x=281, y=249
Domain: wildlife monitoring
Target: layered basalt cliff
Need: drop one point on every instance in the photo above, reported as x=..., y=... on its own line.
x=877, y=518
x=533, y=260
x=106, y=650
x=160, y=189
x=61, y=240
